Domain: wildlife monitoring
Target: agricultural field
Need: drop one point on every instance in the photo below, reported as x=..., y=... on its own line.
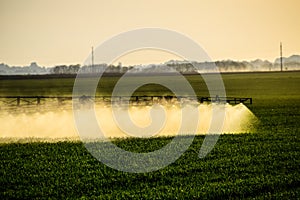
x=258, y=165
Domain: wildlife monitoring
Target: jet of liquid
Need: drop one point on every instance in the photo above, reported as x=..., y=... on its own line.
x=57, y=124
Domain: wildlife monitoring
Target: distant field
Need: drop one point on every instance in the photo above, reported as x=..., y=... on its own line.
x=263, y=164
x=281, y=86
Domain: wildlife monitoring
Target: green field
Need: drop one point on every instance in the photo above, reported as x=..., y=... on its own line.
x=263, y=164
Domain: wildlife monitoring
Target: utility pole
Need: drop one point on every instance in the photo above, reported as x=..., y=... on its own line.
x=92, y=59
x=281, y=64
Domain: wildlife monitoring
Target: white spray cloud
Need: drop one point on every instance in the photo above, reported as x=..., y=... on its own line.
x=57, y=125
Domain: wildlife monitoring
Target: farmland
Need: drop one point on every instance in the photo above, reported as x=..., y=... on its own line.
x=262, y=164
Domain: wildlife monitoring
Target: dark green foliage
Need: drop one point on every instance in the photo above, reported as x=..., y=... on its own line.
x=263, y=164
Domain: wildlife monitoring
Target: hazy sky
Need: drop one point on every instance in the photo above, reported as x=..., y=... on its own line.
x=54, y=32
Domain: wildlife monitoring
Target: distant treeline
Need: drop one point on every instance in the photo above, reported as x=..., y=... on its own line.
x=290, y=63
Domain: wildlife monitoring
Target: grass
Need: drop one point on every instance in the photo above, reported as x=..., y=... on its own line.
x=263, y=164
x=260, y=86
